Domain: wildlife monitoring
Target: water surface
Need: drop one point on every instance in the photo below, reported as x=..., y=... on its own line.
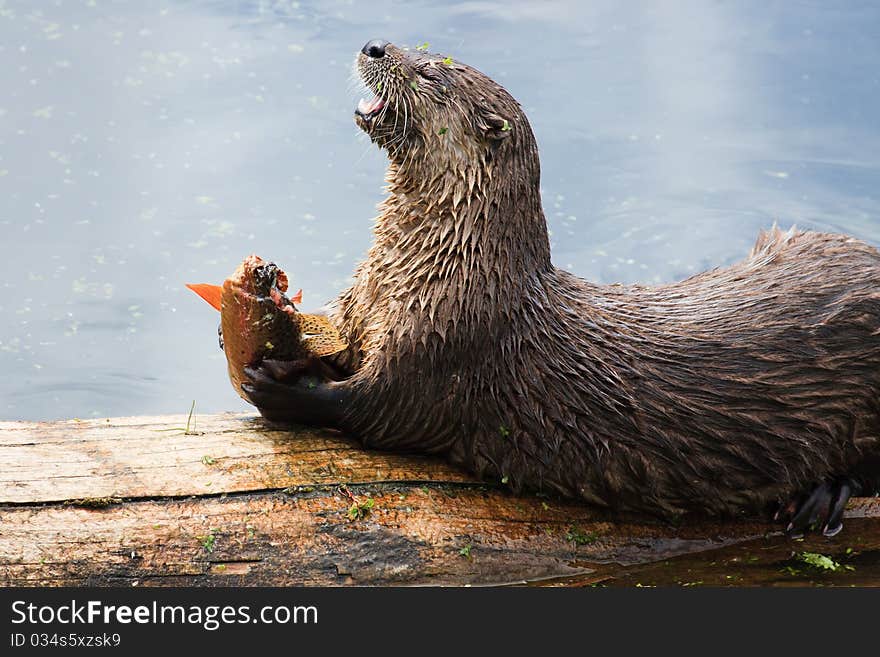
x=148, y=144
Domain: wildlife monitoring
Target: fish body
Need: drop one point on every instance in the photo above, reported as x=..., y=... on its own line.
x=258, y=321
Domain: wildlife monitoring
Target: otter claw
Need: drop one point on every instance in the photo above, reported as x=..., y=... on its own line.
x=824, y=506
x=832, y=532
x=835, y=518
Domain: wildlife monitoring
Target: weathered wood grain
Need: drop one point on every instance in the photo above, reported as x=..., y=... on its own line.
x=153, y=457
x=136, y=501
x=410, y=536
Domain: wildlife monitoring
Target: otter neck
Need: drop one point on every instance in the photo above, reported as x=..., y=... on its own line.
x=475, y=212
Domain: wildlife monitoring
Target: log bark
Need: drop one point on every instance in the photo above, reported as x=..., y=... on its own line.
x=141, y=501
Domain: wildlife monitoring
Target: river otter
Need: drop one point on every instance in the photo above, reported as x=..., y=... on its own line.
x=735, y=390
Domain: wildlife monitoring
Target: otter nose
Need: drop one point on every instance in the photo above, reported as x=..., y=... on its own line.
x=375, y=48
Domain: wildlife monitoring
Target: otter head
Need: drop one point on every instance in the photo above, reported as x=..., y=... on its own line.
x=431, y=108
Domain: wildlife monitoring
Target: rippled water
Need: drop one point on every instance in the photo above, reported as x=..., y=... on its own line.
x=148, y=144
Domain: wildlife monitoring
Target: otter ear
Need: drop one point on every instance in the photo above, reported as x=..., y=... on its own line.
x=492, y=126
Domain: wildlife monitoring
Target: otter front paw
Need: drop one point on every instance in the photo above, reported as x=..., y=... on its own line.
x=306, y=400
x=822, y=508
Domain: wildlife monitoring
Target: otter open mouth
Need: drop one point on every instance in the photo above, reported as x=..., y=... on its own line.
x=369, y=110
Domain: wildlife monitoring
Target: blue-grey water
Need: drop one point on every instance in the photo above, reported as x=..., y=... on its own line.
x=148, y=144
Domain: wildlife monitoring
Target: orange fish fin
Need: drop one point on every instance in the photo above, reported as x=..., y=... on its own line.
x=208, y=292
x=297, y=298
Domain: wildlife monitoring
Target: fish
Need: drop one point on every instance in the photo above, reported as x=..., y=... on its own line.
x=259, y=322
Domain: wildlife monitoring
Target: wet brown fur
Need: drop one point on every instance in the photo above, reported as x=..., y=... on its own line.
x=722, y=393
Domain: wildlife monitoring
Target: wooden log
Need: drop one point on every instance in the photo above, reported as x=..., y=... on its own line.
x=140, y=457
x=142, y=501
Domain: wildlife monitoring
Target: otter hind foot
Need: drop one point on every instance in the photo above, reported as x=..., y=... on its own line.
x=822, y=507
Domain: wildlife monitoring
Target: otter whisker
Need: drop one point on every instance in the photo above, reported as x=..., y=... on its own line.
x=405, y=115
x=399, y=139
x=404, y=133
x=388, y=103
x=406, y=129
x=367, y=147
